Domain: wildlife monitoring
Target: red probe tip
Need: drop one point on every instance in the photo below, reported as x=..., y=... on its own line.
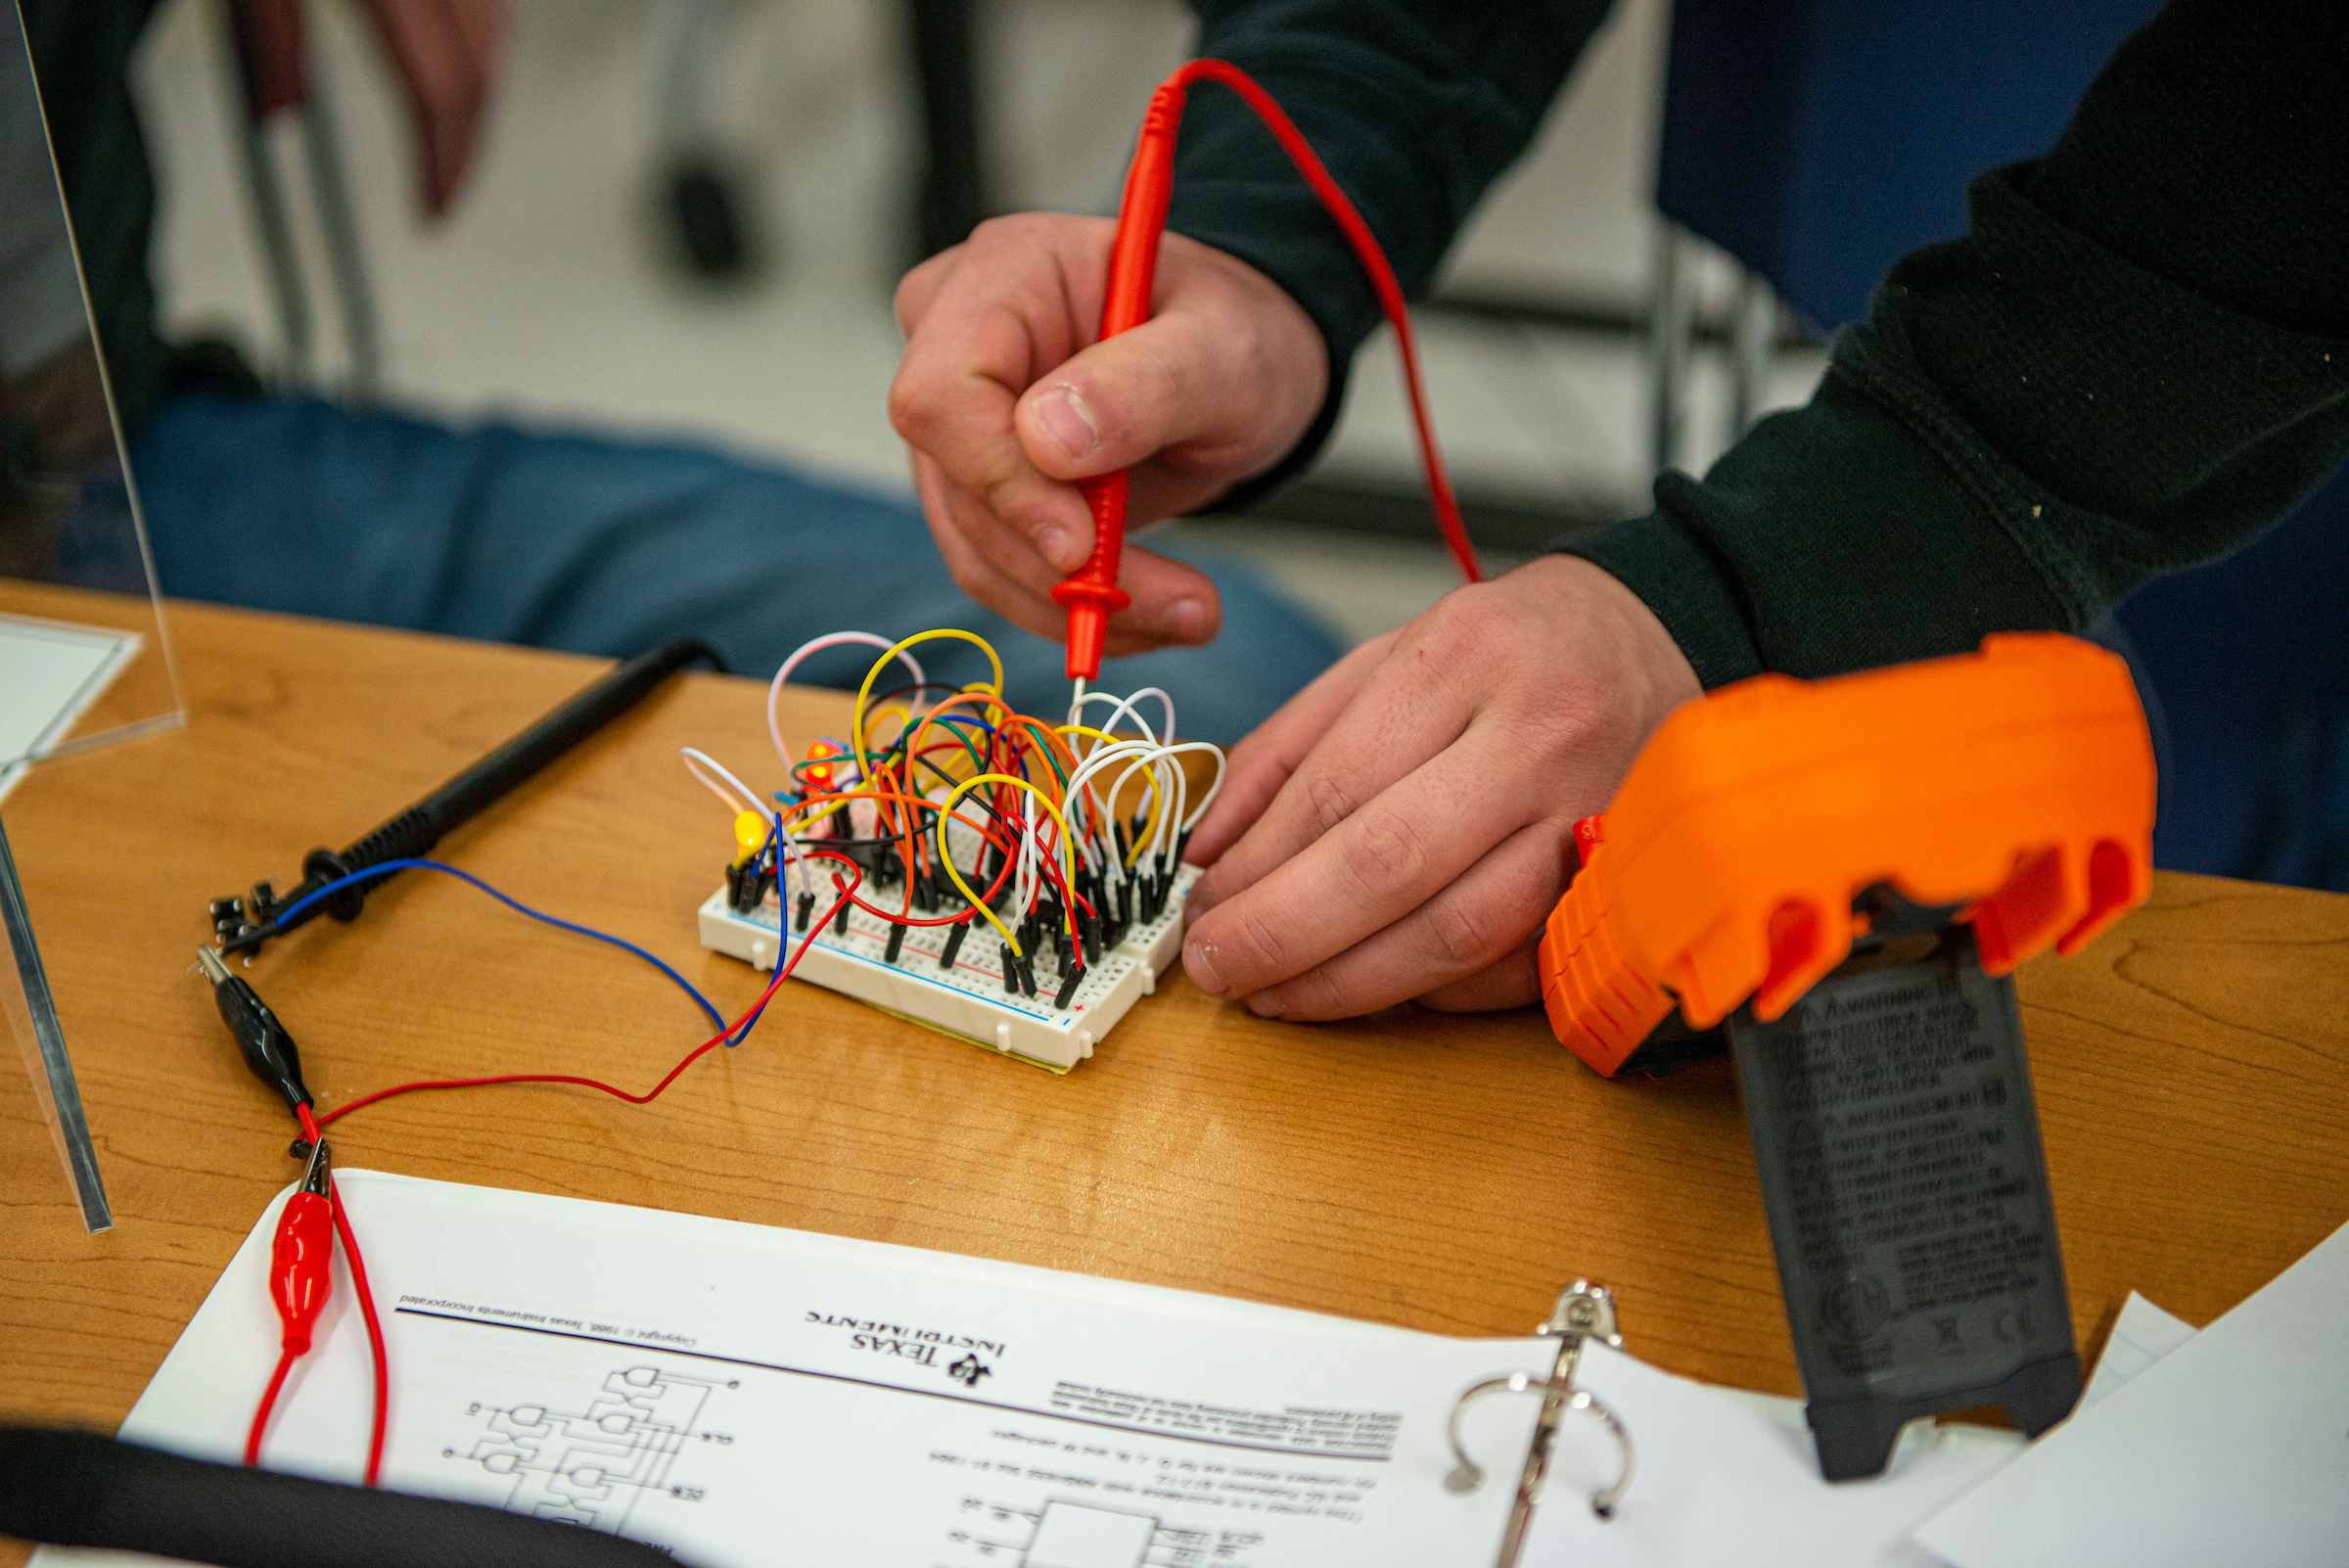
x=1089, y=629
x=1089, y=608
x=1090, y=594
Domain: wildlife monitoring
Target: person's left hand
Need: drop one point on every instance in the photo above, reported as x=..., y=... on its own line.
x=448, y=54
x=1400, y=825
x=445, y=53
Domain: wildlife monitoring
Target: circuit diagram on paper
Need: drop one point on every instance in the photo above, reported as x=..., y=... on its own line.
x=592, y=1467
x=1067, y=1534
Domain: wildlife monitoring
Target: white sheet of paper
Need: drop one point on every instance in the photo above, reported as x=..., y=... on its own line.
x=745, y=1395
x=2233, y=1447
x=50, y=673
x=2140, y=1336
x=1726, y=1477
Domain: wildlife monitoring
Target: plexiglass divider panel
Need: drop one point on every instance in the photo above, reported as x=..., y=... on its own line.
x=85, y=660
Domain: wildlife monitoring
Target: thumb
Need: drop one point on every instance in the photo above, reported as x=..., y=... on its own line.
x=1125, y=399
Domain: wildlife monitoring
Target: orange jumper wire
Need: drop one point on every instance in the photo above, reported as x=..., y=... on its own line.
x=1090, y=594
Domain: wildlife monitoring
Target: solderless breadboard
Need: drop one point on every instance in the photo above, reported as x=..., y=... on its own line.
x=968, y=999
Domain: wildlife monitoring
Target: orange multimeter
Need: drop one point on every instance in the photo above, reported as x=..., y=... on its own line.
x=1833, y=881
x=2014, y=784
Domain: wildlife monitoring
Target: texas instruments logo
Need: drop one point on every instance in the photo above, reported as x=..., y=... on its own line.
x=964, y=1357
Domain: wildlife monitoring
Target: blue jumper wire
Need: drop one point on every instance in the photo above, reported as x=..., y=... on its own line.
x=387, y=867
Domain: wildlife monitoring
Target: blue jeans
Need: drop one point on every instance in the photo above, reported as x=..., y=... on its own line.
x=609, y=546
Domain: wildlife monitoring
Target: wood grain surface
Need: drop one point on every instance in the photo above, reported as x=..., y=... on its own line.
x=1440, y=1172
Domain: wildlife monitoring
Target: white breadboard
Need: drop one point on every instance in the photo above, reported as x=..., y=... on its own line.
x=969, y=999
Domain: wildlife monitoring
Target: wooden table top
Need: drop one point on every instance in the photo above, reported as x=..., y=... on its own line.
x=1440, y=1172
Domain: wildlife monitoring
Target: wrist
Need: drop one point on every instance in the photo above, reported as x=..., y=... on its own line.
x=1662, y=565
x=1646, y=673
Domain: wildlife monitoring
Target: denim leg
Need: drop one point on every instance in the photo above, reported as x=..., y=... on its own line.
x=605, y=545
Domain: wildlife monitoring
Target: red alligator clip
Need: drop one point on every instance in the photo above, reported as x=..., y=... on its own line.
x=300, y=1277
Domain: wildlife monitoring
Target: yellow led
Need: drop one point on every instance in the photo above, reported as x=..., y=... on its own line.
x=750, y=835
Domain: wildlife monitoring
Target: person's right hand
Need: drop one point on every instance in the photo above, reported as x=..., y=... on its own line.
x=1007, y=400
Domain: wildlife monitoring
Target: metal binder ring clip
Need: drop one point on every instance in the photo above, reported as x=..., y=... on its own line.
x=1467, y=1475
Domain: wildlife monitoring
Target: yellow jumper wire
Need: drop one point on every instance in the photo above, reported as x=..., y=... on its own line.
x=1068, y=863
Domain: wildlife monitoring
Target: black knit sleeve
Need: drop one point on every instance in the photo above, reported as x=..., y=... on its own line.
x=1415, y=108
x=2137, y=360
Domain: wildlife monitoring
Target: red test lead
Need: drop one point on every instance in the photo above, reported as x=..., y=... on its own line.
x=1090, y=594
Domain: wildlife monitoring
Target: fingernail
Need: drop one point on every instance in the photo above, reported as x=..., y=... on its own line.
x=1197, y=961
x=1054, y=545
x=1264, y=1005
x=1185, y=620
x=1068, y=421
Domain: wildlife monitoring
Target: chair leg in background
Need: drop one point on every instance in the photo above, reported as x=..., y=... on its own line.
x=953, y=195
x=703, y=200
x=1670, y=285
x=1753, y=345
x=345, y=252
x=276, y=230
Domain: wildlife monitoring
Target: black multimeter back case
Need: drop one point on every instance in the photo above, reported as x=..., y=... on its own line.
x=1906, y=1190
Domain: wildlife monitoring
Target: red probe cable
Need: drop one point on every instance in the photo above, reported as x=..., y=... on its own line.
x=1090, y=594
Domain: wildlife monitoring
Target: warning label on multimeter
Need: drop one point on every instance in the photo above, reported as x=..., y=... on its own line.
x=1895, y=1109
x=1900, y=1165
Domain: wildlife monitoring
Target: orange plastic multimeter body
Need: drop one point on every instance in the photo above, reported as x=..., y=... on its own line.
x=2014, y=784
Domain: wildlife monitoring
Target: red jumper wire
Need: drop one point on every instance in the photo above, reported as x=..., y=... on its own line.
x=1090, y=594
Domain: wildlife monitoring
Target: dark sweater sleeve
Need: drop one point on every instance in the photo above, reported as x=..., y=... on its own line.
x=1415, y=106
x=2137, y=360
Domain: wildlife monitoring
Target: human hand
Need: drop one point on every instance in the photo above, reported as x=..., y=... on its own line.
x=1403, y=826
x=1007, y=400
x=446, y=53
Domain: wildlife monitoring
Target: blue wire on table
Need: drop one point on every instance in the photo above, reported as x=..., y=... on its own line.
x=516, y=904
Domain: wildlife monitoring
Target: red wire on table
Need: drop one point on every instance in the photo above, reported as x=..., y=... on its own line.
x=375, y=1339
x=782, y=973
x=261, y=1414
x=375, y=1326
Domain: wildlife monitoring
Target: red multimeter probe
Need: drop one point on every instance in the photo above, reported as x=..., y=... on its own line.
x=1090, y=594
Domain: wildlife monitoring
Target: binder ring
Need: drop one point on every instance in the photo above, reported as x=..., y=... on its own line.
x=1467, y=1475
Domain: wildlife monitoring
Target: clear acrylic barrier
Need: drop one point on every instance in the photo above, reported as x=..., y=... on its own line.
x=84, y=658
x=72, y=547
x=32, y=1019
